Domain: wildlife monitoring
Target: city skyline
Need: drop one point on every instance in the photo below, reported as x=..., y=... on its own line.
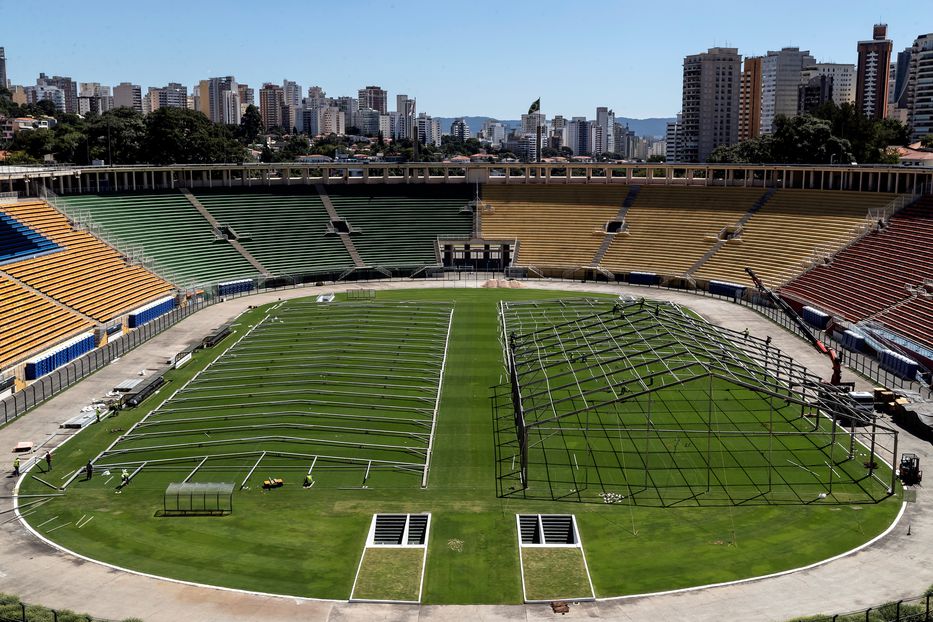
x=449, y=79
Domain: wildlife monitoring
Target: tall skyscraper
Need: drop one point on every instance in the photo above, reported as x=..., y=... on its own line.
x=813, y=93
x=247, y=95
x=271, y=102
x=349, y=106
x=407, y=111
x=673, y=151
x=373, y=97
x=874, y=61
x=219, y=100
x=172, y=95
x=126, y=95
x=780, y=77
x=579, y=136
x=920, y=87
x=605, y=120
x=4, y=81
x=749, y=101
x=711, y=87
x=292, y=93
x=901, y=80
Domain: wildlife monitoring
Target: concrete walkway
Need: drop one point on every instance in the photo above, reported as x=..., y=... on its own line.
x=897, y=566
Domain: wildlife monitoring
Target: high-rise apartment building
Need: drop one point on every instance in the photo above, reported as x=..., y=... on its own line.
x=494, y=131
x=292, y=92
x=271, y=102
x=920, y=87
x=373, y=97
x=4, y=81
x=246, y=94
x=94, y=98
x=331, y=120
x=172, y=95
x=407, y=112
x=711, y=87
x=46, y=92
x=673, y=151
x=897, y=98
x=459, y=129
x=815, y=92
x=749, y=101
x=579, y=136
x=605, y=139
x=780, y=77
x=126, y=95
x=429, y=130
x=349, y=106
x=68, y=87
x=874, y=61
x=843, y=79
x=219, y=100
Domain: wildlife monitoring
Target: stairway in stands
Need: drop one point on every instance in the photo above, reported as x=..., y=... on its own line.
x=344, y=237
x=740, y=223
x=217, y=226
x=609, y=237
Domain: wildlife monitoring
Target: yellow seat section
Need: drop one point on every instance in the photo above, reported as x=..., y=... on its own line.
x=780, y=240
x=88, y=275
x=667, y=229
x=557, y=226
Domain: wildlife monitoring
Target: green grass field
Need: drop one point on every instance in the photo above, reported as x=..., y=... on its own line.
x=308, y=542
x=389, y=574
x=554, y=573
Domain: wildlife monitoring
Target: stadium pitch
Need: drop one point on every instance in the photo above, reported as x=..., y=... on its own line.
x=396, y=406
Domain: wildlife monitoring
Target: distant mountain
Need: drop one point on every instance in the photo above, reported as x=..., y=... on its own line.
x=642, y=127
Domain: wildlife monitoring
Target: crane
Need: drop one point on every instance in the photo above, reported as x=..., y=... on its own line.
x=781, y=304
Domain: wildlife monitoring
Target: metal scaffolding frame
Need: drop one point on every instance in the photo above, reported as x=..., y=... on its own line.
x=574, y=365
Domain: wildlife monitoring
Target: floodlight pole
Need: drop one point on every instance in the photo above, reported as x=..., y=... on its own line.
x=709, y=437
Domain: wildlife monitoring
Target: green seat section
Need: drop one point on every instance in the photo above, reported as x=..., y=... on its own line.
x=400, y=224
x=285, y=230
x=169, y=230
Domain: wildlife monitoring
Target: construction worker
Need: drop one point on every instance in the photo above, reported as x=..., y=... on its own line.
x=309, y=481
x=89, y=470
x=745, y=332
x=16, y=466
x=125, y=477
x=48, y=460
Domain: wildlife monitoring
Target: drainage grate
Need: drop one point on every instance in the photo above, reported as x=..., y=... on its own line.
x=399, y=530
x=547, y=529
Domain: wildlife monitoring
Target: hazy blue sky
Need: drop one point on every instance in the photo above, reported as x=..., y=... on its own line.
x=479, y=57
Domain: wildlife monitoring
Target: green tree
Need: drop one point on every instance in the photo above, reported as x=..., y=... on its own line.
x=36, y=144
x=182, y=136
x=250, y=125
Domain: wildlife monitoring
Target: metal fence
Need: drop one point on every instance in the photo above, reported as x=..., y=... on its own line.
x=913, y=609
x=50, y=385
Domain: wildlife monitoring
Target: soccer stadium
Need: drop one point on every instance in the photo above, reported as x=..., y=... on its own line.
x=418, y=385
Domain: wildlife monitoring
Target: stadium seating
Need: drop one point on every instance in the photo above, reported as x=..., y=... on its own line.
x=88, y=275
x=285, y=231
x=912, y=318
x=31, y=323
x=19, y=242
x=170, y=230
x=557, y=226
x=670, y=229
x=781, y=239
x=400, y=225
x=873, y=274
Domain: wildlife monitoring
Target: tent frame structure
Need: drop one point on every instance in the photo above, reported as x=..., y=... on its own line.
x=570, y=361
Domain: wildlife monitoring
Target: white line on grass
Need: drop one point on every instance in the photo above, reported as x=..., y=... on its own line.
x=437, y=403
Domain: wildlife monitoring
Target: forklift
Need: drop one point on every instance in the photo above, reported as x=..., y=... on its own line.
x=909, y=471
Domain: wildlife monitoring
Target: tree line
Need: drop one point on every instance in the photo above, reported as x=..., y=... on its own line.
x=832, y=134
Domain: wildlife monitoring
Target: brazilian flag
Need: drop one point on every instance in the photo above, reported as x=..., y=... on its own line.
x=535, y=106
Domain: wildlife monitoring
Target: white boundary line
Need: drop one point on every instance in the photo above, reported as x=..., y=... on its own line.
x=773, y=574
x=576, y=545
x=63, y=549
x=369, y=545
x=437, y=402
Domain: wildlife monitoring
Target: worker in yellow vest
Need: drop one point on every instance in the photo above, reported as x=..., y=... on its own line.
x=16, y=466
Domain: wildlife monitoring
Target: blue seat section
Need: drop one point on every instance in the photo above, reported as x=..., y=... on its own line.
x=899, y=365
x=151, y=311
x=235, y=287
x=17, y=241
x=60, y=355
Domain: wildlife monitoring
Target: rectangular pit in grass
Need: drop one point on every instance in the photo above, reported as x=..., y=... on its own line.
x=392, y=565
x=553, y=563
